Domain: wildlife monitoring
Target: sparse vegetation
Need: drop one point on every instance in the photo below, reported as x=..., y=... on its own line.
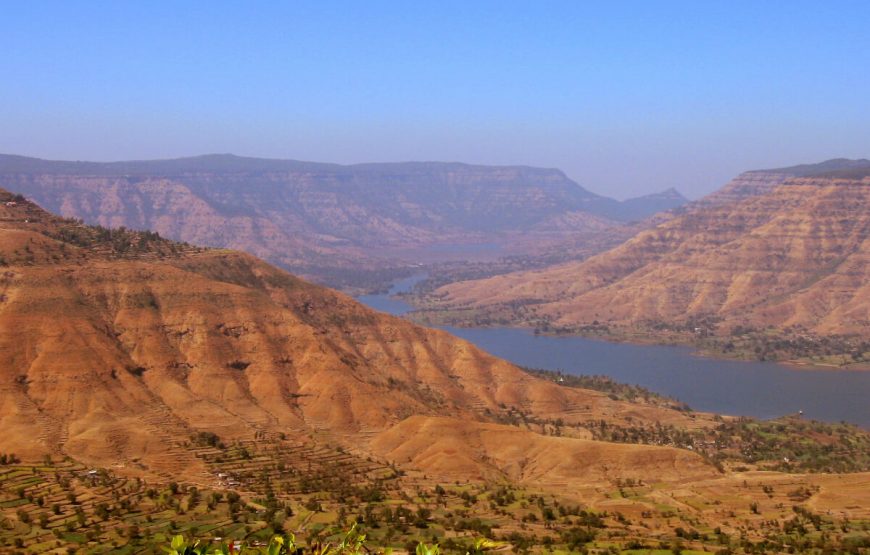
x=93, y=511
x=791, y=344
x=256, y=486
x=616, y=390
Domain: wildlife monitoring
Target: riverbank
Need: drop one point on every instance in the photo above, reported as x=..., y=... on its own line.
x=798, y=349
x=706, y=383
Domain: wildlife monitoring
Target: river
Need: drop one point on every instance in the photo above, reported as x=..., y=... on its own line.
x=760, y=389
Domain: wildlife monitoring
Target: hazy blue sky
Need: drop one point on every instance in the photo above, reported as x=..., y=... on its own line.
x=626, y=98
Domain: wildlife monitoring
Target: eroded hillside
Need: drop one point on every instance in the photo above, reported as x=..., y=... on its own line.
x=207, y=390
x=767, y=250
x=118, y=346
x=340, y=224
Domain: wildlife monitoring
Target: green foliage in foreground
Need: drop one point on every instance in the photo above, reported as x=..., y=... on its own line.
x=353, y=543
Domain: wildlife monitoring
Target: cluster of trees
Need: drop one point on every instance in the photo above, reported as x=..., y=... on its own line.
x=789, y=444
x=209, y=439
x=806, y=532
x=791, y=344
x=119, y=241
x=698, y=324
x=353, y=542
x=653, y=434
x=616, y=390
x=8, y=458
x=794, y=444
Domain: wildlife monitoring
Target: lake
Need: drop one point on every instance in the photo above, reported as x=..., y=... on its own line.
x=760, y=389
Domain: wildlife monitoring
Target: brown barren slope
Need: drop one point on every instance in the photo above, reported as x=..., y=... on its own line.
x=117, y=346
x=440, y=445
x=783, y=252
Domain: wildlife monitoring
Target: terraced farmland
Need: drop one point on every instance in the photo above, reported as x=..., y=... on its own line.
x=66, y=507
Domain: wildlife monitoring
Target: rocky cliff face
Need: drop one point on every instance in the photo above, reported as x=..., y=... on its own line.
x=769, y=249
x=309, y=216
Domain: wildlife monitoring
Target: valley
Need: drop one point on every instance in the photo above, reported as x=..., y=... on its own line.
x=353, y=227
x=710, y=383
x=153, y=387
x=771, y=267
x=434, y=278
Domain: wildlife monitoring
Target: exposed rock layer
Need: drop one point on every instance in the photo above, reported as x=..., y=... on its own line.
x=115, y=347
x=769, y=249
x=312, y=217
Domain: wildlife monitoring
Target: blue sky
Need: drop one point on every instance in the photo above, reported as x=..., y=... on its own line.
x=625, y=97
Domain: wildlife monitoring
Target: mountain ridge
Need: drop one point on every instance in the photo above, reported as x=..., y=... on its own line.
x=325, y=221
x=13, y=163
x=187, y=372
x=118, y=346
x=768, y=249
x=827, y=168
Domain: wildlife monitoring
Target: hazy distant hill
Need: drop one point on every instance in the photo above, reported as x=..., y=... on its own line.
x=312, y=217
x=636, y=209
x=784, y=248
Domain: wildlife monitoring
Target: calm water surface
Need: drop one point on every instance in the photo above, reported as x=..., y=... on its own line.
x=760, y=389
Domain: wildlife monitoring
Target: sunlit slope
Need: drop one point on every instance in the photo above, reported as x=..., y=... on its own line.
x=791, y=253
x=117, y=346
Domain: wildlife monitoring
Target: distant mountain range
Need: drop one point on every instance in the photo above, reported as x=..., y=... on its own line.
x=786, y=248
x=315, y=218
